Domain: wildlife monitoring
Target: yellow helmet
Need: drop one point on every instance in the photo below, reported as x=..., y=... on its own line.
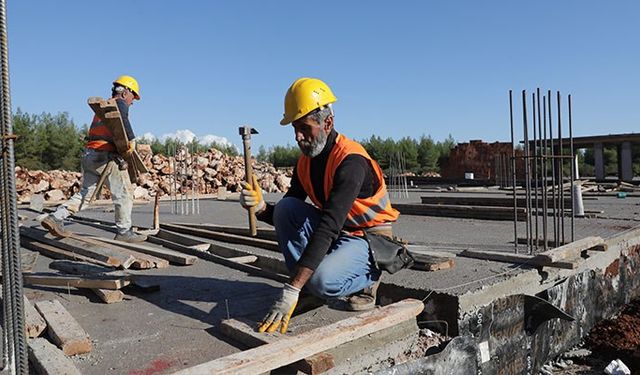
x=130, y=83
x=305, y=95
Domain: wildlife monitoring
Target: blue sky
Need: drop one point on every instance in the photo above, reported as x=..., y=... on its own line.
x=398, y=68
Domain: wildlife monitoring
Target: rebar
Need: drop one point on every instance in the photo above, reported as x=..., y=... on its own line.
x=513, y=175
x=574, y=166
x=561, y=169
x=15, y=356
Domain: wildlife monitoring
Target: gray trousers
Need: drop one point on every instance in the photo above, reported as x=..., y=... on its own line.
x=93, y=163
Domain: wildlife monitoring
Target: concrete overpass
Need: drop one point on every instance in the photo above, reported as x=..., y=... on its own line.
x=623, y=142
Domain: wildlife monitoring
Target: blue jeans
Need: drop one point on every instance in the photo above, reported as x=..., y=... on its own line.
x=348, y=266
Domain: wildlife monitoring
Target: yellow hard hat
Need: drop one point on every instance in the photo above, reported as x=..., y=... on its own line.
x=130, y=83
x=305, y=95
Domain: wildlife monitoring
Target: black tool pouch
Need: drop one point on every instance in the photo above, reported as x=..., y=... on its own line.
x=390, y=255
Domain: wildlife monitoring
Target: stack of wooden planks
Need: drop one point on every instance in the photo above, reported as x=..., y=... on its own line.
x=65, y=337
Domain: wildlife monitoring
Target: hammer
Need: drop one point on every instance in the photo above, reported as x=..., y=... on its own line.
x=245, y=132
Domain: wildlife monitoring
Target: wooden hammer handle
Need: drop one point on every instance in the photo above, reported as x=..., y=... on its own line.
x=248, y=171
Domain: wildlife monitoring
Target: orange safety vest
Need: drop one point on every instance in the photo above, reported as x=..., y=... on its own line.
x=100, y=136
x=365, y=212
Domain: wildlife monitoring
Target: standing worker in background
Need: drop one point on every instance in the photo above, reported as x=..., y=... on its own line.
x=324, y=244
x=100, y=150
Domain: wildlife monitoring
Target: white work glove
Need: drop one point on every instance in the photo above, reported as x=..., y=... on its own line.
x=251, y=195
x=281, y=311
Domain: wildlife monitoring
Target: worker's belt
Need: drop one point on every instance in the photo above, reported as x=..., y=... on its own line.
x=389, y=254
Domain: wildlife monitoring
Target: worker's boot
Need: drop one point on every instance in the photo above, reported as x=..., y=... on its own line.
x=359, y=301
x=131, y=237
x=54, y=225
x=364, y=299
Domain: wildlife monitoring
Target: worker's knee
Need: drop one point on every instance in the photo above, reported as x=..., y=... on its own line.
x=324, y=285
x=286, y=209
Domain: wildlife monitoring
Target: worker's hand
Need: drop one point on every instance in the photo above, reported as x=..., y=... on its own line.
x=281, y=311
x=251, y=195
x=132, y=147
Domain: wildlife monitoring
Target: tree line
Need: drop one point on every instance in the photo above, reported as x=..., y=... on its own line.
x=53, y=141
x=419, y=155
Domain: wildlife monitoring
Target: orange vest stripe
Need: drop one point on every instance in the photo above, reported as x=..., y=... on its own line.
x=100, y=136
x=365, y=212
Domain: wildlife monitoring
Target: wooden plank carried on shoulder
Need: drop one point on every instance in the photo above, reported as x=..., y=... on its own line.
x=46, y=359
x=295, y=348
x=63, y=329
x=570, y=250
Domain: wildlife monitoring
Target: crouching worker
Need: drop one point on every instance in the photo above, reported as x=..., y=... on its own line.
x=99, y=151
x=324, y=244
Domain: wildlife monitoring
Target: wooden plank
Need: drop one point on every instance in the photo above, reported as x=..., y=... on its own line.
x=483, y=201
x=109, y=296
x=220, y=236
x=34, y=323
x=63, y=329
x=466, y=212
x=427, y=262
x=79, y=246
x=570, y=250
x=531, y=260
x=247, y=335
x=244, y=259
x=169, y=239
x=57, y=253
x=171, y=256
x=295, y=348
x=46, y=359
x=248, y=268
x=106, y=282
x=78, y=268
x=263, y=233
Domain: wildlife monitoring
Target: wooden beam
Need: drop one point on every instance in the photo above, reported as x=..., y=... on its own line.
x=220, y=236
x=482, y=201
x=295, y=348
x=169, y=239
x=80, y=246
x=78, y=268
x=34, y=323
x=109, y=296
x=77, y=282
x=248, y=268
x=57, y=253
x=264, y=233
x=570, y=250
x=247, y=335
x=457, y=211
x=46, y=359
x=427, y=262
x=171, y=256
x=244, y=259
x=63, y=329
x=531, y=260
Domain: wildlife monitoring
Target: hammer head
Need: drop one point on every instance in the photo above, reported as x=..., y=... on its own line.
x=246, y=131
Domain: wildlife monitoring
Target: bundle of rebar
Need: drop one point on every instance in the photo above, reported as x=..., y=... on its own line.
x=544, y=158
x=185, y=183
x=14, y=345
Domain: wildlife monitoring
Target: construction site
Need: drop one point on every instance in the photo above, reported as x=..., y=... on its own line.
x=519, y=263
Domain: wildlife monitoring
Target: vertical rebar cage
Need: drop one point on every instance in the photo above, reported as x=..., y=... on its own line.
x=539, y=172
x=14, y=346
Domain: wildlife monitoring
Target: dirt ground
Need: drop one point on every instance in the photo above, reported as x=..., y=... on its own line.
x=617, y=338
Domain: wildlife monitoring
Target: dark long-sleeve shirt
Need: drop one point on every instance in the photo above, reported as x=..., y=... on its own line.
x=124, y=113
x=354, y=178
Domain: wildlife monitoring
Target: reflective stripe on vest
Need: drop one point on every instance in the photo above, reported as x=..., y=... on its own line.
x=100, y=136
x=365, y=212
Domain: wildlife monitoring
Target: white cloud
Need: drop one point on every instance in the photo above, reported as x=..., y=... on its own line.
x=148, y=136
x=186, y=136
